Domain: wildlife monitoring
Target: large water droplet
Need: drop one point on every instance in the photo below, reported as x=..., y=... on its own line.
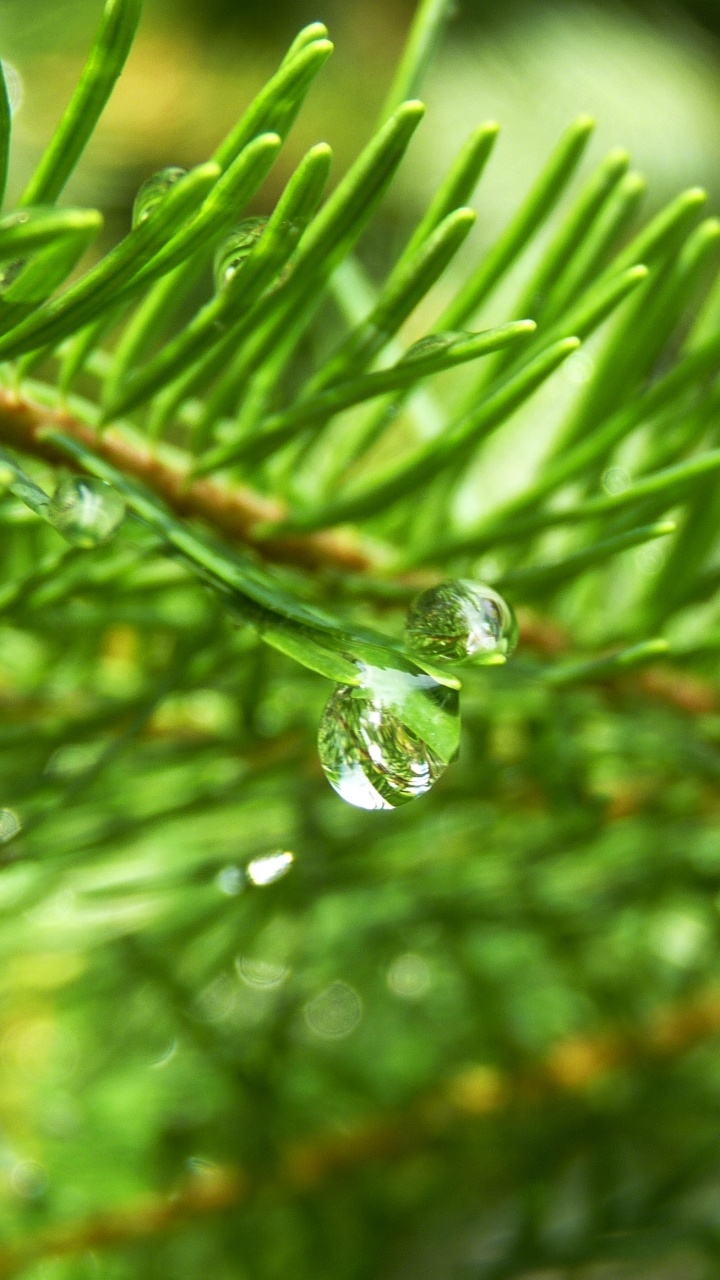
x=153, y=192
x=388, y=740
x=461, y=621
x=85, y=511
x=236, y=248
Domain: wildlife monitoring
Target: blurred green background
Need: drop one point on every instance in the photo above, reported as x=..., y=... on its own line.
x=519, y=975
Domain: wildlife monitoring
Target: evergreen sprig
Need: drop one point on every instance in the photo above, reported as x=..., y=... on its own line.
x=195, y=388
x=508, y=990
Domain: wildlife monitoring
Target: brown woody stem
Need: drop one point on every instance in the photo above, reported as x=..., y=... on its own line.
x=232, y=510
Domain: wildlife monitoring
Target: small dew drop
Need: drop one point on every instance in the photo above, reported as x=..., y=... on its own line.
x=230, y=880
x=85, y=511
x=615, y=480
x=461, y=621
x=236, y=248
x=153, y=192
x=388, y=740
x=271, y=867
x=409, y=976
x=334, y=1012
x=10, y=825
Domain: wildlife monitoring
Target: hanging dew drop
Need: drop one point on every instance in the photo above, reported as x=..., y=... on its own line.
x=388, y=740
x=236, y=248
x=85, y=511
x=153, y=192
x=461, y=621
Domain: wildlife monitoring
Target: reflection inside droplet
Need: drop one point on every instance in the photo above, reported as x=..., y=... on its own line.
x=271, y=867
x=387, y=741
x=334, y=1012
x=236, y=248
x=461, y=621
x=85, y=511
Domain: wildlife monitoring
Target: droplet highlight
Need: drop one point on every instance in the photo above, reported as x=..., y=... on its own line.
x=461, y=621
x=85, y=511
x=271, y=867
x=387, y=741
x=153, y=192
x=236, y=248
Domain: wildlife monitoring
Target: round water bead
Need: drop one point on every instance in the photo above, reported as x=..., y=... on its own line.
x=461, y=621
x=388, y=740
x=236, y=248
x=85, y=511
x=153, y=192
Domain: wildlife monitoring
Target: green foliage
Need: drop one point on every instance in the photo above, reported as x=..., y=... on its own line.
x=441, y=1041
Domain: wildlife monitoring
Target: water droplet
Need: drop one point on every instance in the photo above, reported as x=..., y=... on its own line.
x=230, y=880
x=271, y=867
x=334, y=1012
x=85, y=511
x=615, y=479
x=388, y=740
x=432, y=345
x=236, y=248
x=461, y=621
x=10, y=825
x=153, y=192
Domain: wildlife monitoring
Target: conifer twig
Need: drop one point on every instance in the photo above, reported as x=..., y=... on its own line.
x=232, y=510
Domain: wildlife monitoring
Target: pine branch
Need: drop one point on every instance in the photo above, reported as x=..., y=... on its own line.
x=232, y=510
